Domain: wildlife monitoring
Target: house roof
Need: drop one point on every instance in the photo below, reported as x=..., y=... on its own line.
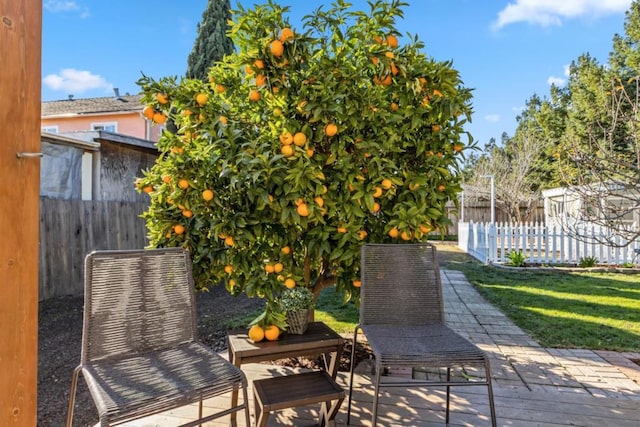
x=82, y=106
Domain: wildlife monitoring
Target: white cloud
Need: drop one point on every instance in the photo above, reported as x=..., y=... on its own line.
x=76, y=81
x=553, y=12
x=493, y=118
x=558, y=81
x=567, y=70
x=58, y=6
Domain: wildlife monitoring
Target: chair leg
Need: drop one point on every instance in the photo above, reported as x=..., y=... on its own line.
x=446, y=418
x=351, y=369
x=487, y=369
x=246, y=406
x=376, y=392
x=200, y=412
x=72, y=395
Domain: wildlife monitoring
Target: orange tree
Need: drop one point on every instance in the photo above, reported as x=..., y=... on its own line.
x=302, y=146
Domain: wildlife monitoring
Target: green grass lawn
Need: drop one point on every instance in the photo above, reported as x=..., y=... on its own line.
x=598, y=311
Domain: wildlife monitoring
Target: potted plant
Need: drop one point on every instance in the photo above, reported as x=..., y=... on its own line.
x=296, y=304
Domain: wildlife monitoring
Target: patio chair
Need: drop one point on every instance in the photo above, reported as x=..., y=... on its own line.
x=140, y=350
x=402, y=317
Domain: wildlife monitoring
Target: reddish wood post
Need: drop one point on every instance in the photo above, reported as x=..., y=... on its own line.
x=20, y=62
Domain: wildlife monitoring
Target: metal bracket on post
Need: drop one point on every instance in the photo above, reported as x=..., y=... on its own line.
x=23, y=155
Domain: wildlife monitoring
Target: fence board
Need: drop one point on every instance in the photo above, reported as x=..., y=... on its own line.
x=70, y=229
x=539, y=243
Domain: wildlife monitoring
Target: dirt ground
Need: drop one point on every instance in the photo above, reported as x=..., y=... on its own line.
x=60, y=334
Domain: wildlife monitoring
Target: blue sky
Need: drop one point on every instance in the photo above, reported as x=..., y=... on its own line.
x=506, y=50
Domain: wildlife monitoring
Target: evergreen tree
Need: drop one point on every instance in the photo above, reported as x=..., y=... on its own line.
x=212, y=43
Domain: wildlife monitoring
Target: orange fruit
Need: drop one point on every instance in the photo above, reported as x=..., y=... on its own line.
x=319, y=200
x=232, y=283
x=254, y=96
x=287, y=150
x=256, y=333
x=260, y=80
x=374, y=60
x=302, y=209
x=162, y=98
x=330, y=129
x=148, y=112
x=187, y=213
x=147, y=189
x=258, y=63
x=290, y=283
x=299, y=139
x=425, y=228
x=223, y=120
x=362, y=234
x=341, y=230
x=394, y=69
x=393, y=233
x=441, y=188
x=386, y=184
x=435, y=128
x=278, y=267
x=286, y=34
x=207, y=195
x=159, y=117
x=286, y=138
x=202, y=99
x=228, y=269
x=271, y=333
x=310, y=152
x=276, y=48
x=436, y=92
x=285, y=250
x=386, y=80
x=183, y=183
x=178, y=229
x=166, y=179
x=413, y=186
x=229, y=241
x=377, y=192
x=269, y=268
x=376, y=207
x=394, y=106
x=457, y=147
x=220, y=88
x=389, y=55
x=392, y=41
x=357, y=283
x=248, y=69
x=405, y=235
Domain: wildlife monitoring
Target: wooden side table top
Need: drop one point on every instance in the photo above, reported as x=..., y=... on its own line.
x=319, y=338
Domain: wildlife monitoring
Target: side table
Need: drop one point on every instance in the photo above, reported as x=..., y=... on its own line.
x=319, y=339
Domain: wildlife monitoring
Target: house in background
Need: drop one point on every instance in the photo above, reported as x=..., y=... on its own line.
x=121, y=114
x=96, y=165
x=568, y=205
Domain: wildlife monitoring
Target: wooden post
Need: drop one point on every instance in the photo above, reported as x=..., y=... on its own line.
x=20, y=59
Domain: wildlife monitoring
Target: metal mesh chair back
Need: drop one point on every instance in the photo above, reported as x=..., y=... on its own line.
x=137, y=302
x=400, y=285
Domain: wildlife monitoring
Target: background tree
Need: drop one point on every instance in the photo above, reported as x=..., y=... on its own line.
x=212, y=42
x=302, y=146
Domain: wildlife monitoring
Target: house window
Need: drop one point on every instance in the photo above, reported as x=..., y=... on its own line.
x=107, y=126
x=50, y=129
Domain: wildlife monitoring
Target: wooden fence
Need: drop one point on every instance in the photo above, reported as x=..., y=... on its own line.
x=70, y=229
x=541, y=244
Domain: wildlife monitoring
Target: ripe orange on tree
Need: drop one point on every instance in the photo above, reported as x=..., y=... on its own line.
x=303, y=209
x=386, y=183
x=254, y=96
x=202, y=99
x=393, y=233
x=148, y=112
x=183, y=183
x=330, y=129
x=147, y=189
x=299, y=139
x=178, y=228
x=287, y=150
x=159, y=117
x=229, y=241
x=207, y=195
x=162, y=98
x=290, y=283
x=286, y=138
x=261, y=80
x=276, y=48
x=278, y=267
x=228, y=269
x=286, y=34
x=220, y=88
x=285, y=250
x=392, y=41
x=357, y=283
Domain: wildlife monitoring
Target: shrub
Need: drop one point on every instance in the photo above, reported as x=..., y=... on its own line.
x=589, y=261
x=516, y=259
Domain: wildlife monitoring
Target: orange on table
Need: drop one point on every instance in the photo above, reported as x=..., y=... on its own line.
x=271, y=333
x=256, y=333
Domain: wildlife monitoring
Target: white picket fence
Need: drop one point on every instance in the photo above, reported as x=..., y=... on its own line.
x=540, y=244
